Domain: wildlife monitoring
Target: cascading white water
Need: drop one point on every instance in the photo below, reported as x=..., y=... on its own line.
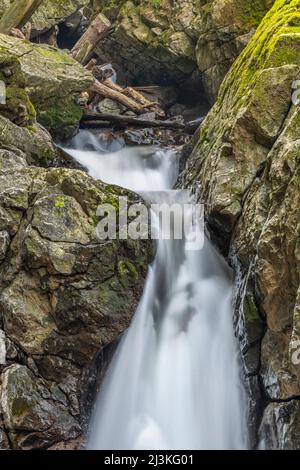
x=174, y=381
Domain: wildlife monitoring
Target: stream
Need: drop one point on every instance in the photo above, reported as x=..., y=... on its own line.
x=175, y=380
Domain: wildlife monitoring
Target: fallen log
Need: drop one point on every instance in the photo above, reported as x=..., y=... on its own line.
x=136, y=96
x=18, y=14
x=83, y=49
x=123, y=121
x=108, y=92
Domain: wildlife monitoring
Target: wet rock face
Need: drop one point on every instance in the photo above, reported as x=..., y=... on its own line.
x=246, y=159
x=165, y=41
x=50, y=13
x=53, y=12
x=64, y=295
x=45, y=83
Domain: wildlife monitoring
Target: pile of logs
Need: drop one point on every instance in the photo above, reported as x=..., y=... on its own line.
x=103, y=86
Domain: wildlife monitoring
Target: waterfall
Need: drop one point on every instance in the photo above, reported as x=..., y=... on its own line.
x=174, y=382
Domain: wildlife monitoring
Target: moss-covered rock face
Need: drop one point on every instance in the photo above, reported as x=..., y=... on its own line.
x=146, y=44
x=52, y=80
x=19, y=131
x=225, y=27
x=164, y=41
x=246, y=160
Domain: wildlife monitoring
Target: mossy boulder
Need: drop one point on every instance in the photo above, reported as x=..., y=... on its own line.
x=246, y=160
x=52, y=80
x=64, y=296
x=280, y=428
x=15, y=103
x=33, y=143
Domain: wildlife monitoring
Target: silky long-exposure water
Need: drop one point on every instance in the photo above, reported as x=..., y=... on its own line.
x=174, y=381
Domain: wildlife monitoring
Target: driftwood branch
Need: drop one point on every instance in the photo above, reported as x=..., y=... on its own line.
x=108, y=92
x=83, y=49
x=18, y=14
x=122, y=121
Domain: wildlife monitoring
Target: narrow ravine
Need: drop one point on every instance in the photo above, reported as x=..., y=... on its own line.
x=175, y=379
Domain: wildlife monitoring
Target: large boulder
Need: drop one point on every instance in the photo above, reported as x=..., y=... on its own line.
x=280, y=428
x=246, y=160
x=64, y=296
x=33, y=416
x=45, y=77
x=162, y=41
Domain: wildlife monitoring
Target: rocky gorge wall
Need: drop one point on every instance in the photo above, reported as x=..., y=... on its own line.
x=246, y=161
